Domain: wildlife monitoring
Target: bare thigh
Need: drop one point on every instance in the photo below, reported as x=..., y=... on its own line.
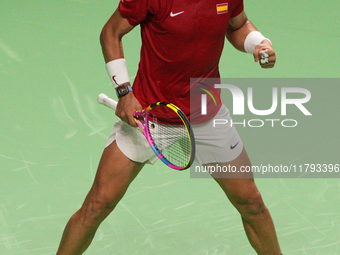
x=239, y=187
x=114, y=175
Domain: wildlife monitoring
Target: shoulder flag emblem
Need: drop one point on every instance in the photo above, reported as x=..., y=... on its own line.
x=222, y=8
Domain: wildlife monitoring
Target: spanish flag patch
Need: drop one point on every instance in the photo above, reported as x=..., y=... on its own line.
x=222, y=8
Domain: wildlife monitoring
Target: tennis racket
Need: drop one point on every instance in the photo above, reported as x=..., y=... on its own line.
x=167, y=130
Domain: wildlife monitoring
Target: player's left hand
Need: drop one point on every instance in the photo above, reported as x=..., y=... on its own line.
x=265, y=54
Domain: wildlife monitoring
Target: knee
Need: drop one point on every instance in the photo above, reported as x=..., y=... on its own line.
x=96, y=208
x=250, y=205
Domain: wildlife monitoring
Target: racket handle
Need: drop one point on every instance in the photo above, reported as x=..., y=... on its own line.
x=105, y=100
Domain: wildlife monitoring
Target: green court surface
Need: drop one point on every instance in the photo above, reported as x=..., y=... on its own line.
x=53, y=133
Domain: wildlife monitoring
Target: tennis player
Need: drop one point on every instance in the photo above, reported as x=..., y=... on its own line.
x=180, y=40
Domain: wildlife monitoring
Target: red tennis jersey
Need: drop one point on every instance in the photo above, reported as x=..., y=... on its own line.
x=181, y=39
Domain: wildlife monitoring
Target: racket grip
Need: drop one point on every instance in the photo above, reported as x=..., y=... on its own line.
x=105, y=100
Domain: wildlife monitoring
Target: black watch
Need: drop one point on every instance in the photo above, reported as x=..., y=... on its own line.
x=123, y=90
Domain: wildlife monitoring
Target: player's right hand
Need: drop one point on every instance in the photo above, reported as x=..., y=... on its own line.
x=127, y=105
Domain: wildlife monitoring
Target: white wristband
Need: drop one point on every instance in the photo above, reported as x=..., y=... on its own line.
x=117, y=71
x=253, y=39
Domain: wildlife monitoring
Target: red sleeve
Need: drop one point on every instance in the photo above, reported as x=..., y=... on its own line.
x=136, y=11
x=237, y=8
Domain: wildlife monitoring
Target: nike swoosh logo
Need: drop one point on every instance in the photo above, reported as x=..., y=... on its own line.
x=233, y=147
x=175, y=14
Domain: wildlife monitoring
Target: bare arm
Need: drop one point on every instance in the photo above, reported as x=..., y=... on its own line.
x=111, y=36
x=111, y=41
x=238, y=29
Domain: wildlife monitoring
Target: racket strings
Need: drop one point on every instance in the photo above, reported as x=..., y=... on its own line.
x=173, y=141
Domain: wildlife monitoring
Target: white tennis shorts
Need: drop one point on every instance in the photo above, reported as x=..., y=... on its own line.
x=215, y=143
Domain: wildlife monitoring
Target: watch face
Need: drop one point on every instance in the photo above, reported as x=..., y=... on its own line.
x=123, y=90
